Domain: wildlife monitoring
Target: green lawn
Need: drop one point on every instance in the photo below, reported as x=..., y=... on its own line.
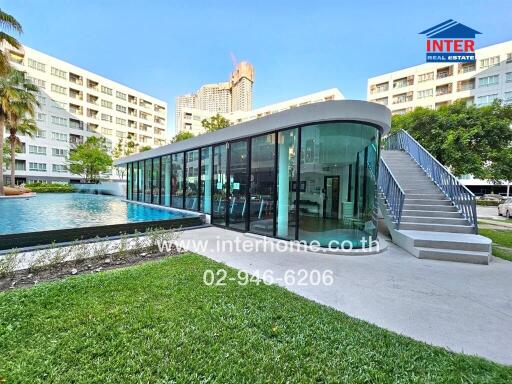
x=159, y=323
x=499, y=237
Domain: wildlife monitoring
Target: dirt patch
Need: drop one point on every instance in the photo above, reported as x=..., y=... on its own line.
x=29, y=277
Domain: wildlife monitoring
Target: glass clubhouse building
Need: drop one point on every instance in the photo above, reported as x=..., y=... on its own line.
x=308, y=173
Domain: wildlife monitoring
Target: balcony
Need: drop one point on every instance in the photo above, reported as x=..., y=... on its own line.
x=132, y=99
x=76, y=109
x=402, y=98
x=144, y=127
x=91, y=84
x=466, y=85
x=443, y=89
x=159, y=108
x=76, y=79
x=403, y=82
x=159, y=131
x=92, y=99
x=76, y=124
x=159, y=120
x=75, y=139
x=132, y=112
x=377, y=88
x=144, y=115
x=91, y=113
x=132, y=124
x=145, y=103
x=467, y=67
x=91, y=127
x=444, y=72
x=76, y=94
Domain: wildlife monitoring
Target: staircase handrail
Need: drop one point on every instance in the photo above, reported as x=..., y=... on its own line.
x=392, y=191
x=462, y=198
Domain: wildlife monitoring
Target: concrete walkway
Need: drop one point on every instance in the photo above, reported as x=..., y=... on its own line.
x=462, y=307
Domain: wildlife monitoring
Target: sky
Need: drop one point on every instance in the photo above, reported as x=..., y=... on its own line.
x=169, y=48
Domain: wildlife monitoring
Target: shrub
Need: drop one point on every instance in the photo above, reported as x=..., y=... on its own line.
x=46, y=187
x=488, y=203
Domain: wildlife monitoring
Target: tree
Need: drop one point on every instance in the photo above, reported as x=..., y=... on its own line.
x=215, y=123
x=90, y=159
x=20, y=115
x=14, y=91
x=463, y=138
x=144, y=148
x=26, y=127
x=6, y=155
x=183, y=135
x=500, y=168
x=8, y=23
x=123, y=149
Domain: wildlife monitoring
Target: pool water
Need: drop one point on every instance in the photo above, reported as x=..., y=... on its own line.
x=50, y=211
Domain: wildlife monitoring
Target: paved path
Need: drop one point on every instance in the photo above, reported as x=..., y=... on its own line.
x=462, y=307
x=488, y=212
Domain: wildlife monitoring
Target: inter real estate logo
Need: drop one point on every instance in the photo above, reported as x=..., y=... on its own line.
x=450, y=41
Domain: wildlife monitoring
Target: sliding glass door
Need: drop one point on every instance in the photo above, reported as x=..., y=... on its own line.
x=238, y=178
x=220, y=185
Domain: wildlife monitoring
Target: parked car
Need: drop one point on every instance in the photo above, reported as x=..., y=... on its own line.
x=492, y=197
x=505, y=209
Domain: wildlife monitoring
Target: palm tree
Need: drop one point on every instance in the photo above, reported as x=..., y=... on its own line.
x=8, y=23
x=17, y=101
x=23, y=127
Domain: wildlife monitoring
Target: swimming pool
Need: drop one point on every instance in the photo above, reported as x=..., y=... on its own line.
x=69, y=216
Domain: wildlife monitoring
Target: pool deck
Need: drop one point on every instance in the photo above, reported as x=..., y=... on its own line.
x=462, y=307
x=23, y=196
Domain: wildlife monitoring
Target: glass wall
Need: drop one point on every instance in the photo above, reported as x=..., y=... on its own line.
x=165, y=181
x=147, y=181
x=206, y=180
x=135, y=182
x=192, y=180
x=140, y=185
x=219, y=190
x=334, y=159
x=238, y=178
x=129, y=183
x=156, y=181
x=315, y=183
x=177, y=180
x=262, y=184
x=287, y=150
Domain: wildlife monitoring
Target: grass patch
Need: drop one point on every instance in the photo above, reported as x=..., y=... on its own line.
x=501, y=238
x=159, y=323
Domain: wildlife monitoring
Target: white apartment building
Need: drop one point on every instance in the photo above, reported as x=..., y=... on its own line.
x=225, y=97
x=431, y=85
x=76, y=104
x=190, y=119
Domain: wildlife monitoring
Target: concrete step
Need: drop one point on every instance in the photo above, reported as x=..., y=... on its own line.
x=454, y=255
x=429, y=207
x=434, y=220
x=451, y=228
x=409, y=200
x=455, y=241
x=422, y=213
x=429, y=196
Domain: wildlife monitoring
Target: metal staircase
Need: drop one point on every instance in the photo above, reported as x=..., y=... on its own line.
x=427, y=211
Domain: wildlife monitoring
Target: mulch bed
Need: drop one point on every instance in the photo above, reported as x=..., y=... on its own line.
x=29, y=277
